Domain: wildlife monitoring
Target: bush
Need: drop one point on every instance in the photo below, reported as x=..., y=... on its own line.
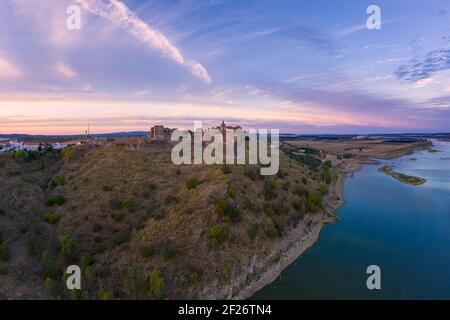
x=270, y=189
x=51, y=287
x=121, y=237
x=68, y=248
x=231, y=191
x=106, y=295
x=117, y=216
x=97, y=227
x=192, y=183
x=49, y=265
x=34, y=243
x=227, y=208
x=134, y=283
x=314, y=201
x=52, y=200
x=226, y=169
x=61, y=180
x=115, y=203
x=86, y=261
x=300, y=191
x=251, y=173
x=218, y=234
x=4, y=253
x=60, y=200
x=129, y=204
x=145, y=251
x=170, y=199
x=347, y=155
x=194, y=278
x=107, y=188
x=155, y=212
x=157, y=283
x=52, y=218
x=22, y=156
x=169, y=253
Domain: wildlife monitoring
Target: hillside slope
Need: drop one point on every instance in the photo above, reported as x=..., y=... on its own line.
x=141, y=227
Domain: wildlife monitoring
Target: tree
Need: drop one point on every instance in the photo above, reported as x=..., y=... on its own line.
x=68, y=248
x=157, y=283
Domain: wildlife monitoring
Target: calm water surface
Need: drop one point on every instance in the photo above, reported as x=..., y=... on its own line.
x=401, y=228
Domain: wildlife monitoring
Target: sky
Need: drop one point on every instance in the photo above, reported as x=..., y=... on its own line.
x=295, y=65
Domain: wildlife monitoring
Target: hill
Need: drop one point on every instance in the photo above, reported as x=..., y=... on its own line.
x=141, y=227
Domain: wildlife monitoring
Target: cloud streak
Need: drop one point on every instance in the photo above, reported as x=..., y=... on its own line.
x=416, y=70
x=125, y=19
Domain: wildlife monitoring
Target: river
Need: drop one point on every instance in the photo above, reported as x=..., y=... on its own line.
x=403, y=229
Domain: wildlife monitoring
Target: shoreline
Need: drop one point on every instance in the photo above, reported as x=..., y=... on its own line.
x=292, y=249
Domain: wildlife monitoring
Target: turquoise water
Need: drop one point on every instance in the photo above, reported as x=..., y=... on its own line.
x=403, y=229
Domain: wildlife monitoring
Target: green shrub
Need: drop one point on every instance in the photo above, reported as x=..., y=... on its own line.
x=270, y=189
x=89, y=274
x=86, y=261
x=49, y=265
x=52, y=218
x=314, y=201
x=97, y=227
x=51, y=287
x=226, y=169
x=52, y=184
x=268, y=209
x=145, y=251
x=55, y=200
x=106, y=295
x=194, y=278
x=129, y=204
x=50, y=202
x=227, y=208
x=300, y=191
x=121, y=237
x=107, y=188
x=68, y=248
x=170, y=200
x=22, y=156
x=192, y=183
x=231, y=191
x=156, y=283
x=115, y=203
x=117, y=216
x=133, y=283
x=3, y=271
x=4, y=253
x=155, y=212
x=218, y=234
x=347, y=155
x=169, y=253
x=34, y=243
x=251, y=172
x=61, y=180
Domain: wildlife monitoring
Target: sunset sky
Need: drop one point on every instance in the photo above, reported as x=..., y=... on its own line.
x=299, y=66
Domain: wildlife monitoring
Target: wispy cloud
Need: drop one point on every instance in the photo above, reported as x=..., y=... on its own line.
x=8, y=70
x=65, y=70
x=362, y=26
x=415, y=70
x=124, y=18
